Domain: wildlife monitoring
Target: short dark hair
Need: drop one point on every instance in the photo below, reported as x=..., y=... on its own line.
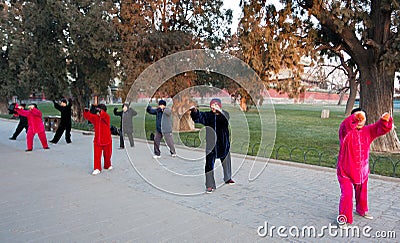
x=162, y=102
x=102, y=106
x=357, y=110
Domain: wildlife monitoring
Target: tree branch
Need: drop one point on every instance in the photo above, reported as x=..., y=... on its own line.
x=350, y=43
x=373, y=43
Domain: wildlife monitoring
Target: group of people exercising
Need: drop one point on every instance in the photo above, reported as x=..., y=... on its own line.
x=353, y=161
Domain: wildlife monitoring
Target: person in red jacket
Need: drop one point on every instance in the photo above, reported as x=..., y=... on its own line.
x=102, y=142
x=352, y=167
x=35, y=125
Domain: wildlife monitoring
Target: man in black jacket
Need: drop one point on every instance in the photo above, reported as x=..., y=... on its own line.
x=217, y=123
x=65, y=125
x=23, y=123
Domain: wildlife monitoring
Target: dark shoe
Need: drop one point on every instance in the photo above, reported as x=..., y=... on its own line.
x=46, y=148
x=121, y=147
x=230, y=182
x=69, y=141
x=28, y=150
x=209, y=190
x=51, y=141
x=12, y=138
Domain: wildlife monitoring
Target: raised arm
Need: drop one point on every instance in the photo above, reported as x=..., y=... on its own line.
x=56, y=105
x=88, y=115
x=116, y=112
x=151, y=111
x=381, y=127
x=347, y=125
x=22, y=112
x=198, y=116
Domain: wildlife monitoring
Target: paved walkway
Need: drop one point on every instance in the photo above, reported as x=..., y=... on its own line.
x=50, y=196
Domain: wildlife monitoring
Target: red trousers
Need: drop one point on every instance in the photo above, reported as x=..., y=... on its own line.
x=346, y=198
x=29, y=139
x=107, y=151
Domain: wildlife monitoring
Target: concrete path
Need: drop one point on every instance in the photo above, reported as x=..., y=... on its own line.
x=50, y=196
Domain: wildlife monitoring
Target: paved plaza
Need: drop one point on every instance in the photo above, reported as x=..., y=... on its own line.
x=51, y=196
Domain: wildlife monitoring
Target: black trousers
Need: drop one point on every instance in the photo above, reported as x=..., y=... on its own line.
x=60, y=130
x=209, y=168
x=19, y=129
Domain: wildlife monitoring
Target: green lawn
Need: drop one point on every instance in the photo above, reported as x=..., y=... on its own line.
x=301, y=134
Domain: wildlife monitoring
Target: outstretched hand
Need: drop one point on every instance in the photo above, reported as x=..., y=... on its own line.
x=385, y=116
x=193, y=109
x=360, y=116
x=216, y=107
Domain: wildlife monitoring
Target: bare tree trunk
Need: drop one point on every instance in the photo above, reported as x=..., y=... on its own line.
x=352, y=96
x=3, y=106
x=81, y=94
x=341, y=97
x=376, y=98
x=77, y=109
x=181, y=114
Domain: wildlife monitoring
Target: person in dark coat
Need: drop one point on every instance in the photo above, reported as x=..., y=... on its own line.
x=216, y=122
x=65, y=124
x=23, y=123
x=126, y=125
x=163, y=128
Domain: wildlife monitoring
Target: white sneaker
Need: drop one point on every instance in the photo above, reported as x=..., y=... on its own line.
x=367, y=216
x=96, y=172
x=156, y=156
x=173, y=155
x=109, y=168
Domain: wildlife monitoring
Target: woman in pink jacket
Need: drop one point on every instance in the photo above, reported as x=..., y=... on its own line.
x=35, y=125
x=352, y=167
